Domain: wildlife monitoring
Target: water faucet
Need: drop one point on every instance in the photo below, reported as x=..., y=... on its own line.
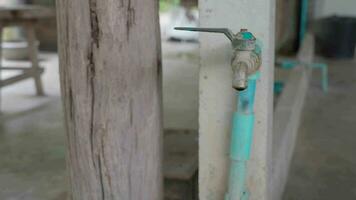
x=247, y=54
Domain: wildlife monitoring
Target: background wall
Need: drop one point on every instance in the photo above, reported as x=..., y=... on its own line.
x=287, y=17
x=325, y=8
x=47, y=28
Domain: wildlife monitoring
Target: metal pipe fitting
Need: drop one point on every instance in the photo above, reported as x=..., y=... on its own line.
x=246, y=60
x=244, y=64
x=239, y=80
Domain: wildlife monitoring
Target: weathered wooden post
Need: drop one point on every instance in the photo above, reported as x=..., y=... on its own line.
x=110, y=69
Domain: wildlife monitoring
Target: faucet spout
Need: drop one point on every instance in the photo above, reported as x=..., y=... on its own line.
x=240, y=76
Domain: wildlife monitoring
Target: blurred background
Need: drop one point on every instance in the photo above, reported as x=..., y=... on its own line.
x=32, y=138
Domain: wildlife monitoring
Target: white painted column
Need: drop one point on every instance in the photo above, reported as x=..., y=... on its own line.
x=217, y=99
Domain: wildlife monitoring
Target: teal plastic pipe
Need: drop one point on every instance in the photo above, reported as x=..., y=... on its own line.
x=303, y=20
x=241, y=141
x=290, y=64
x=324, y=74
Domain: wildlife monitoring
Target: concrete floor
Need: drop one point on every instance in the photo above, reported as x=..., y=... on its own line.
x=324, y=164
x=32, y=161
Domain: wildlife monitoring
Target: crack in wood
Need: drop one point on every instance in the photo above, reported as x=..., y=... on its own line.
x=101, y=178
x=94, y=43
x=104, y=162
x=72, y=118
x=91, y=84
x=94, y=22
x=91, y=65
x=159, y=66
x=71, y=104
x=130, y=19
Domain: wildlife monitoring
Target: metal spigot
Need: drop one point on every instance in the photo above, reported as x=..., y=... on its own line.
x=247, y=54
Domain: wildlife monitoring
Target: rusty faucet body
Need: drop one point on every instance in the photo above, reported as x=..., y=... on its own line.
x=246, y=60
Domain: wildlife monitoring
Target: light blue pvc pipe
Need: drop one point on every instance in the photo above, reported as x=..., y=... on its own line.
x=241, y=141
x=324, y=74
x=289, y=64
x=303, y=20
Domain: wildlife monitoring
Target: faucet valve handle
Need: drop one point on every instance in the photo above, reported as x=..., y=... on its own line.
x=247, y=53
x=228, y=33
x=243, y=40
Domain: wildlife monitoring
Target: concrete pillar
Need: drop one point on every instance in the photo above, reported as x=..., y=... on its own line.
x=217, y=99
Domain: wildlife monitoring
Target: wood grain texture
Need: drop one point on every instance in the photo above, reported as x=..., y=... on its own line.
x=110, y=67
